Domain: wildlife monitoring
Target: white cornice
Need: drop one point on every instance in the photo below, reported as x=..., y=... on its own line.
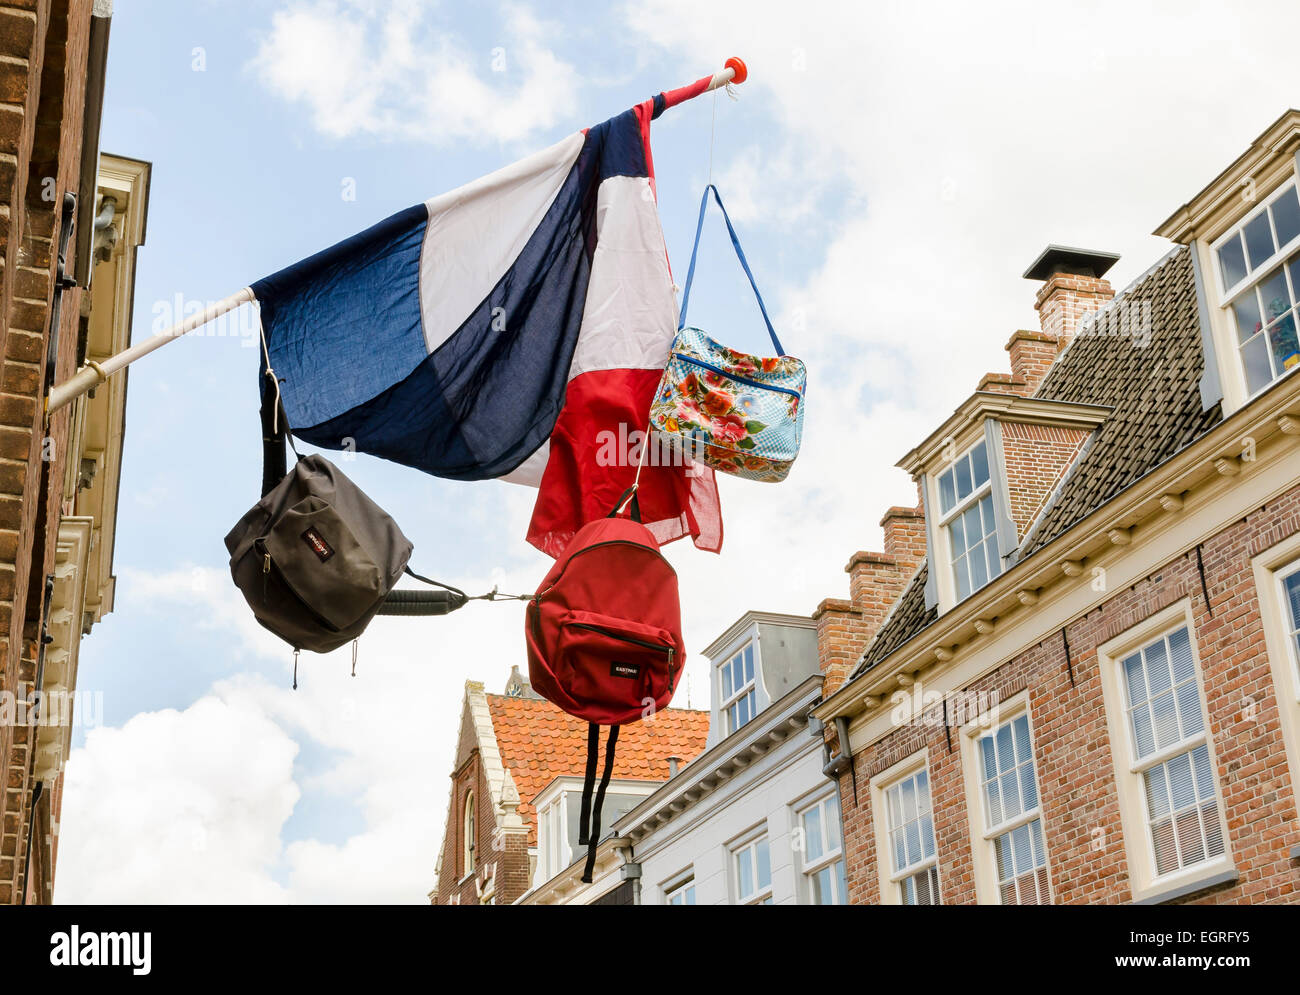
x=784, y=718
x=1274, y=148
x=1004, y=408
x=1142, y=505
x=750, y=619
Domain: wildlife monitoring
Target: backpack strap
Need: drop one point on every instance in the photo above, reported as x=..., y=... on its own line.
x=740, y=254
x=627, y=500
x=593, y=837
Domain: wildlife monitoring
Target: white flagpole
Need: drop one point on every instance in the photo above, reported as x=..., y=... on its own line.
x=93, y=374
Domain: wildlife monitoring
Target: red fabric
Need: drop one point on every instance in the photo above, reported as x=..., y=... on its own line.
x=582, y=482
x=604, y=630
x=674, y=97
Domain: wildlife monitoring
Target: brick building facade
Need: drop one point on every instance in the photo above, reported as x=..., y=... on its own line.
x=510, y=748
x=1085, y=688
x=58, y=475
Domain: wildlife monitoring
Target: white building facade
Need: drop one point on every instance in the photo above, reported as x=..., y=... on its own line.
x=753, y=820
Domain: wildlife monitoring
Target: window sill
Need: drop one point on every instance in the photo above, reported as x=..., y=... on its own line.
x=1201, y=883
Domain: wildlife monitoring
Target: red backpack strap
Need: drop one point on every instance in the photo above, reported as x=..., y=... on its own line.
x=590, y=837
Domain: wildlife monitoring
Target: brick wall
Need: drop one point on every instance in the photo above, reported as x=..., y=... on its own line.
x=43, y=53
x=1036, y=458
x=1072, y=748
x=1065, y=298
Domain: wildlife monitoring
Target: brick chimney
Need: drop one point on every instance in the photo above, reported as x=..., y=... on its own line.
x=876, y=580
x=1032, y=355
x=1072, y=287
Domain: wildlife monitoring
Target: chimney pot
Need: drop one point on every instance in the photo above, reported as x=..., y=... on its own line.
x=1073, y=286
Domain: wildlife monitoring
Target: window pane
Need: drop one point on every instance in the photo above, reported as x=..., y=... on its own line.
x=1282, y=340
x=986, y=510
x=1181, y=788
x=1254, y=357
x=1245, y=311
x=821, y=887
x=1166, y=720
x=1189, y=709
x=979, y=570
x=727, y=689
x=1157, y=793
x=1137, y=685
x=831, y=815
x=974, y=529
x=763, y=865
x=957, y=533
x=1259, y=240
x=1144, y=736
x=1010, y=796
x=812, y=827
x=1232, y=261
x=962, y=472
x=1204, y=775
x=963, y=579
x=745, y=872
x=749, y=664
x=1286, y=216
x=1274, y=296
x=947, y=495
x=1020, y=727
x=986, y=753
x=1157, y=667
x=979, y=464
x=1006, y=754
x=1180, y=652
x=844, y=884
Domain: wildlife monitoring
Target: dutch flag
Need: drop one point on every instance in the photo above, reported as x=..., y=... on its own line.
x=502, y=330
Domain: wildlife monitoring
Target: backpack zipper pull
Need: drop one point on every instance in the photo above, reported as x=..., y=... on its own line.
x=266, y=564
x=672, y=677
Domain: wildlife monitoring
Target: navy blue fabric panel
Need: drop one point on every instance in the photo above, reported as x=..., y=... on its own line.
x=619, y=146
x=488, y=396
x=344, y=324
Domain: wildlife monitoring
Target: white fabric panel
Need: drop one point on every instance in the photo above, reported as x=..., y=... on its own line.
x=529, y=472
x=477, y=231
x=630, y=316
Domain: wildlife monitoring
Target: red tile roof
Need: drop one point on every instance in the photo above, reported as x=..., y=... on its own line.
x=539, y=742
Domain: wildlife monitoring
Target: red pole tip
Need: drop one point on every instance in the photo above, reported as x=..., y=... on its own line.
x=738, y=67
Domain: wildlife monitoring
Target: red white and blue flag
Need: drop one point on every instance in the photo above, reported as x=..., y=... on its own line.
x=507, y=329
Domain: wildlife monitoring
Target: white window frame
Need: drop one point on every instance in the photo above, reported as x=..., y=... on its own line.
x=1228, y=294
x=829, y=858
x=1138, y=844
x=984, y=837
x=681, y=885
x=943, y=537
x=1271, y=568
x=736, y=694
x=750, y=842
x=469, y=845
x=889, y=880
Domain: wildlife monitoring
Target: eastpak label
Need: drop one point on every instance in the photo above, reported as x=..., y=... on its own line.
x=316, y=542
x=631, y=671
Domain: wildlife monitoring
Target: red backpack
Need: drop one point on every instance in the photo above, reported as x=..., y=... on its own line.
x=604, y=639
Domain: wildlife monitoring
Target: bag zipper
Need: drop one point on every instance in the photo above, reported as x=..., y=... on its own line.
x=537, y=600
x=266, y=570
x=733, y=376
x=669, y=650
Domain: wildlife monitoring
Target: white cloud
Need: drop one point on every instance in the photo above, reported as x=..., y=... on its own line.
x=177, y=806
x=194, y=806
x=394, y=71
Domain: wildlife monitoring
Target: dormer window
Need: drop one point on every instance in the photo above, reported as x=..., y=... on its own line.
x=739, y=692
x=1259, y=272
x=967, y=517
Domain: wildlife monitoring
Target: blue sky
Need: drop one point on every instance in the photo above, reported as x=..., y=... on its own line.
x=892, y=168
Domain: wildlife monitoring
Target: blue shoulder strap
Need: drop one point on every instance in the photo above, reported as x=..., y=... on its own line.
x=740, y=253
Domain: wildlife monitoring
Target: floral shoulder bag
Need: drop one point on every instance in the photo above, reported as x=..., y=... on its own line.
x=737, y=413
